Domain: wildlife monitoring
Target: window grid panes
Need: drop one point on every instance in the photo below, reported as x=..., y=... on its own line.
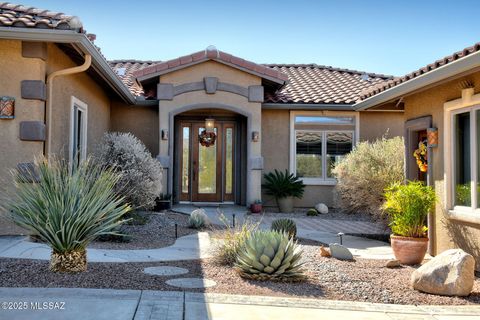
x=338, y=145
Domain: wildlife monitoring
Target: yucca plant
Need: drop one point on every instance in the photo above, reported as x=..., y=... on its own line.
x=68, y=208
x=285, y=225
x=270, y=255
x=283, y=184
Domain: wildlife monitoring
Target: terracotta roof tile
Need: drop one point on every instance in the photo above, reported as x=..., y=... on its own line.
x=124, y=70
x=316, y=84
x=19, y=16
x=380, y=87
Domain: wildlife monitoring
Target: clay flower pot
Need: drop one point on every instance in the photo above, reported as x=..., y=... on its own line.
x=256, y=207
x=409, y=251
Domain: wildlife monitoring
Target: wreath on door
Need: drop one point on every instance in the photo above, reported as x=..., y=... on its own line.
x=207, y=139
x=421, y=156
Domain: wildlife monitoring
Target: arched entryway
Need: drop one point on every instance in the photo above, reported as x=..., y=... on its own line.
x=207, y=172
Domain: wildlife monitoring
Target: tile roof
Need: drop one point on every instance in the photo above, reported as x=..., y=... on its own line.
x=126, y=75
x=307, y=83
x=13, y=15
x=211, y=53
x=317, y=84
x=432, y=66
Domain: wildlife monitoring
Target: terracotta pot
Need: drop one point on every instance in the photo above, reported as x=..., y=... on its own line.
x=285, y=205
x=256, y=207
x=408, y=250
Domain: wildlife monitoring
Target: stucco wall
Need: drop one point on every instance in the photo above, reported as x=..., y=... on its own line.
x=448, y=233
x=83, y=88
x=13, y=69
x=200, y=99
x=140, y=121
x=375, y=124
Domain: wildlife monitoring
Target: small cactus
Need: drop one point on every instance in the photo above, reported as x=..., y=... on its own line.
x=285, y=225
x=198, y=219
x=312, y=212
x=269, y=255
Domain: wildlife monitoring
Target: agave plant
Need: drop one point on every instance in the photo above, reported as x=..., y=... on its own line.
x=270, y=255
x=67, y=208
x=285, y=225
x=198, y=219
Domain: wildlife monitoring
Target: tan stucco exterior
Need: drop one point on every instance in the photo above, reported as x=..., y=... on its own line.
x=375, y=124
x=447, y=233
x=219, y=100
x=141, y=121
x=82, y=87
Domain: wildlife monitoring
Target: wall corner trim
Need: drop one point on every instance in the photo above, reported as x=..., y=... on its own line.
x=34, y=90
x=34, y=49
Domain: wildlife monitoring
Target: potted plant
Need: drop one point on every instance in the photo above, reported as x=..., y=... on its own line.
x=284, y=186
x=256, y=206
x=408, y=206
x=163, y=202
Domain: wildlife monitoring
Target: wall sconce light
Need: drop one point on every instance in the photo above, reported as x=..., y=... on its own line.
x=164, y=134
x=255, y=136
x=432, y=137
x=210, y=125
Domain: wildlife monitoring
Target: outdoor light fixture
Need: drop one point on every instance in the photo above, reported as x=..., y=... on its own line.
x=209, y=124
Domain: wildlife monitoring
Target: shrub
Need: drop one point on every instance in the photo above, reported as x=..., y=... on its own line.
x=364, y=173
x=141, y=175
x=269, y=255
x=198, y=219
x=312, y=212
x=283, y=184
x=408, y=206
x=285, y=225
x=231, y=240
x=68, y=208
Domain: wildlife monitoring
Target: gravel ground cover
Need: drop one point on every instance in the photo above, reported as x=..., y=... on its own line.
x=360, y=280
x=333, y=213
x=157, y=232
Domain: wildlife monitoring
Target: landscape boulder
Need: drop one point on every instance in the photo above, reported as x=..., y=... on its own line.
x=321, y=208
x=340, y=252
x=451, y=273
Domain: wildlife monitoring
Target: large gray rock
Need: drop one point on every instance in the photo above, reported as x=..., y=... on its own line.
x=451, y=273
x=340, y=252
x=321, y=208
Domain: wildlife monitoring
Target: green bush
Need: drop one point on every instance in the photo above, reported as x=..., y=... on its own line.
x=229, y=241
x=198, y=219
x=270, y=255
x=408, y=206
x=68, y=208
x=285, y=225
x=364, y=173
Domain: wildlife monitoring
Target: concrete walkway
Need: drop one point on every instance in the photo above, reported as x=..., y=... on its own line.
x=191, y=247
x=99, y=304
x=359, y=246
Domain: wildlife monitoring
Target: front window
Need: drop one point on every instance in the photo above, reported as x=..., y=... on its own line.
x=466, y=139
x=320, y=142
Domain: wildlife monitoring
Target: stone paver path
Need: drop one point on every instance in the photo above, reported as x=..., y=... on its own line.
x=104, y=304
x=317, y=229
x=191, y=283
x=191, y=247
x=165, y=271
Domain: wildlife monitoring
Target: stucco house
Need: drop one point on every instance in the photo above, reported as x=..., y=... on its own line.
x=443, y=98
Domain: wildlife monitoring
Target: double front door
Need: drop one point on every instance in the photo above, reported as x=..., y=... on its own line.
x=207, y=170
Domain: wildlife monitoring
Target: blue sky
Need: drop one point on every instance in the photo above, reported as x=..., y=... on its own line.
x=391, y=37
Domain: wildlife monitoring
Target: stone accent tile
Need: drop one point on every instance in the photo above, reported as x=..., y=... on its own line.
x=32, y=131
x=34, y=90
x=165, y=91
x=256, y=163
x=164, y=161
x=210, y=84
x=255, y=94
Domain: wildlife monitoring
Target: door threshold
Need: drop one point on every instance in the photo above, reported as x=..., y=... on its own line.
x=207, y=204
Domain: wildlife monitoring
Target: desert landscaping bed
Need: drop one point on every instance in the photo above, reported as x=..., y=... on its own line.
x=360, y=280
x=157, y=230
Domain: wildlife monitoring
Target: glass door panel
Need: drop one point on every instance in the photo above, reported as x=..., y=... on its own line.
x=229, y=162
x=207, y=167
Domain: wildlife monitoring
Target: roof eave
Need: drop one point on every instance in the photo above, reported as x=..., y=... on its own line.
x=444, y=72
x=81, y=40
x=309, y=106
x=162, y=72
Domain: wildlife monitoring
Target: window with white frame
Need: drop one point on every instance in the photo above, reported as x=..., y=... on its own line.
x=319, y=142
x=78, y=131
x=466, y=156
